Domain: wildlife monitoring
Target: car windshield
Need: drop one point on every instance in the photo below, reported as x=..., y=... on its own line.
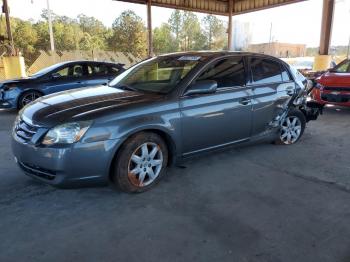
x=46, y=70
x=159, y=75
x=343, y=67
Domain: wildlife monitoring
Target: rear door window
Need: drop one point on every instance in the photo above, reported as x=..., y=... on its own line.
x=98, y=70
x=228, y=72
x=265, y=71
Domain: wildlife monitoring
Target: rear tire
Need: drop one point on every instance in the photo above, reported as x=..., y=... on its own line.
x=140, y=163
x=28, y=97
x=292, y=128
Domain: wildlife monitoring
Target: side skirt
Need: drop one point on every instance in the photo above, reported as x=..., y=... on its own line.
x=267, y=136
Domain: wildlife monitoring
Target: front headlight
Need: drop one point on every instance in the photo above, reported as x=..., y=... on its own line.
x=9, y=87
x=17, y=120
x=319, y=86
x=68, y=133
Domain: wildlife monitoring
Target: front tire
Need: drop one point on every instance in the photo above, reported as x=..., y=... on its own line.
x=140, y=162
x=292, y=128
x=27, y=98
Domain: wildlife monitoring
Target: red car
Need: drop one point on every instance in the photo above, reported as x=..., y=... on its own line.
x=333, y=87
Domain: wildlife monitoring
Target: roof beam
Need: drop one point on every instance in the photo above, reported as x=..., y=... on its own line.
x=217, y=7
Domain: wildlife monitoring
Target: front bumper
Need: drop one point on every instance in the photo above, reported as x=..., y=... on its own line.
x=8, y=99
x=6, y=104
x=77, y=165
x=341, y=98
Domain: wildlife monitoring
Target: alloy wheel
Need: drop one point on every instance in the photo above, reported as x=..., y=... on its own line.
x=30, y=97
x=290, y=130
x=145, y=164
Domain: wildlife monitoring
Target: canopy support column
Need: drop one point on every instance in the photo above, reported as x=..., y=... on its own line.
x=149, y=28
x=323, y=60
x=229, y=31
x=326, y=26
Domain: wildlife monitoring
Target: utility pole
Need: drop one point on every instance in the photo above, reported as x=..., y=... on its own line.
x=270, y=40
x=52, y=42
x=5, y=9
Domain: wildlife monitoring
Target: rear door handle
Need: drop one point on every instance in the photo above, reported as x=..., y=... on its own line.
x=244, y=101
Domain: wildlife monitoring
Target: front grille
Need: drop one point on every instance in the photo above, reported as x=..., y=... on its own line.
x=25, y=131
x=37, y=171
x=335, y=98
x=340, y=89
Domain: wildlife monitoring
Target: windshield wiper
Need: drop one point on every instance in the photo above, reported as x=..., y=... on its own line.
x=126, y=87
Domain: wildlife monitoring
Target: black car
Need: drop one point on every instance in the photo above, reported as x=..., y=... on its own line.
x=16, y=93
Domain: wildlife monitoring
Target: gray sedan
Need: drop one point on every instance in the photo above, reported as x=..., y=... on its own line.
x=157, y=113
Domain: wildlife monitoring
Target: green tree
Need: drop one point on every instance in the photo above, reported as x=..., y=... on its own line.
x=67, y=36
x=42, y=30
x=191, y=34
x=175, y=22
x=163, y=40
x=91, y=42
x=215, y=32
x=25, y=38
x=91, y=25
x=187, y=30
x=129, y=34
x=67, y=32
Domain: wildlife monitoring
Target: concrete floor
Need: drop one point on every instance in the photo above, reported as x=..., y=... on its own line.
x=258, y=203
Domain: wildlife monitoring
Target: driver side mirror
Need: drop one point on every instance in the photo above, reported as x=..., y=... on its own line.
x=202, y=87
x=55, y=75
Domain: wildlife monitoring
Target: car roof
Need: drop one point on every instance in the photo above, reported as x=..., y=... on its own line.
x=216, y=54
x=88, y=61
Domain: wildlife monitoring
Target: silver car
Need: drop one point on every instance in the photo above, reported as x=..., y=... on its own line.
x=158, y=113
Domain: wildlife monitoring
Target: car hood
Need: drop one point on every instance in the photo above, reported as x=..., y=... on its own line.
x=82, y=104
x=334, y=79
x=16, y=80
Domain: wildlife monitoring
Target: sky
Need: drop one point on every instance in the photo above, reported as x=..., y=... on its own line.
x=295, y=23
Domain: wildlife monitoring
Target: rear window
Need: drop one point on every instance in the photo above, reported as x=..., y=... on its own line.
x=285, y=75
x=265, y=71
x=98, y=70
x=296, y=74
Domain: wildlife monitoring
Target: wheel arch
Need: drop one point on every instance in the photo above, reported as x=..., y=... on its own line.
x=25, y=92
x=168, y=139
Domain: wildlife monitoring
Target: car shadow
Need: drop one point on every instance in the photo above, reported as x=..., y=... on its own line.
x=4, y=111
x=333, y=109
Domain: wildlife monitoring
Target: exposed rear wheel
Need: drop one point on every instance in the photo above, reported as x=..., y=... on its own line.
x=292, y=128
x=140, y=162
x=28, y=97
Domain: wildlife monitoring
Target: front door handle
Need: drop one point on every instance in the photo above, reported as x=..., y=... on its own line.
x=290, y=91
x=244, y=101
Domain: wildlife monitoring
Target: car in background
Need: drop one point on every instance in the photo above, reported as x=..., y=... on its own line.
x=160, y=111
x=16, y=93
x=333, y=87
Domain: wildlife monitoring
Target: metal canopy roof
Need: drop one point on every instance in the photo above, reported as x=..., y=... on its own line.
x=219, y=7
